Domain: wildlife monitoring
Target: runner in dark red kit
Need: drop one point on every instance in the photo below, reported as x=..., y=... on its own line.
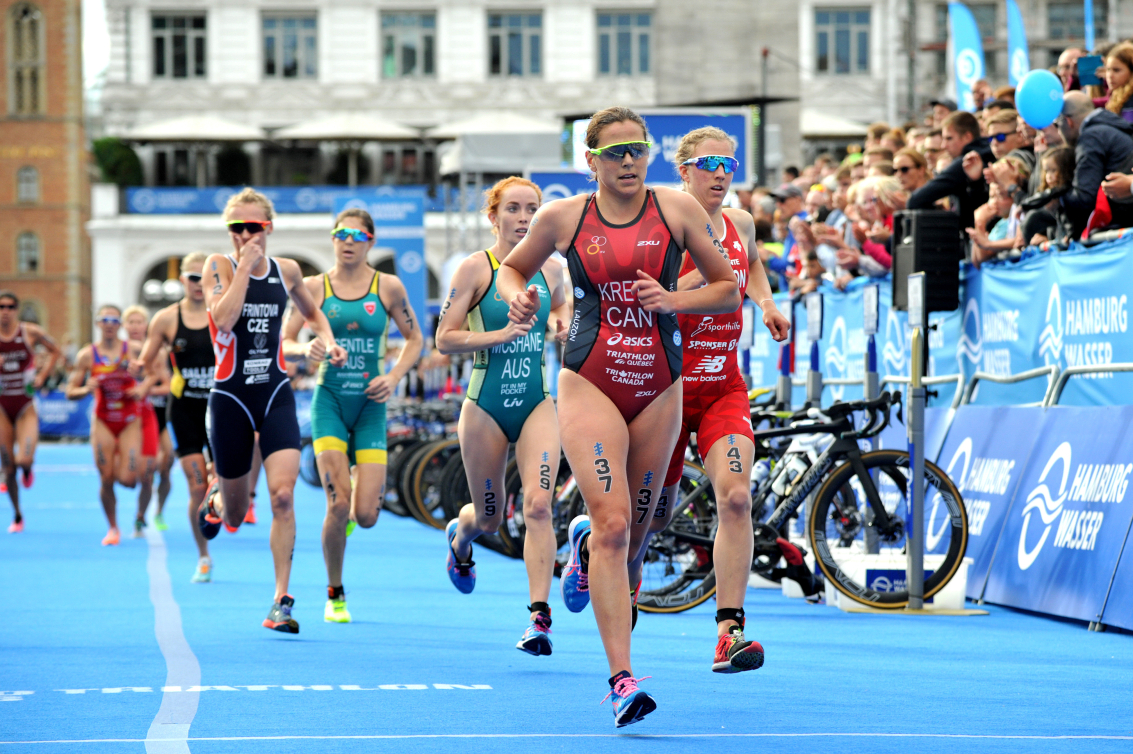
x=620, y=391
x=19, y=422
x=715, y=395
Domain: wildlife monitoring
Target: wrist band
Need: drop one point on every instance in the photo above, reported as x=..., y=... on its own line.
x=765, y=299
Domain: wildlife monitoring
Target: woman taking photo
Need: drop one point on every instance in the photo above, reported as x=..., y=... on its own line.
x=348, y=409
x=508, y=402
x=619, y=391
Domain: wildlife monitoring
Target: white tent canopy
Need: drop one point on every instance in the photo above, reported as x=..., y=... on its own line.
x=502, y=122
x=194, y=128
x=816, y=124
x=347, y=127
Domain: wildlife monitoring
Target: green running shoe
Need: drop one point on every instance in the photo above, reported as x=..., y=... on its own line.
x=139, y=528
x=351, y=524
x=159, y=522
x=203, y=574
x=336, y=611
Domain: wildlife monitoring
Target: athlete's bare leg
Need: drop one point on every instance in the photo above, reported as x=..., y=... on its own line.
x=257, y=464
x=637, y=455
x=282, y=469
x=129, y=464
x=164, y=467
x=670, y=497
x=197, y=476
x=731, y=556
x=8, y=461
x=537, y=453
x=104, y=445
x=483, y=446
x=145, y=485
x=27, y=437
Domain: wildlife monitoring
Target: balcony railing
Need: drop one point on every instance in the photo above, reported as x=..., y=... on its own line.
x=287, y=199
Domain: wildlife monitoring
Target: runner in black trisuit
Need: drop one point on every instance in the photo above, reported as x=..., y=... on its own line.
x=247, y=294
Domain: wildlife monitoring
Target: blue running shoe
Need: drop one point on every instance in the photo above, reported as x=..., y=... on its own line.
x=631, y=704
x=463, y=575
x=574, y=582
x=535, y=639
x=208, y=520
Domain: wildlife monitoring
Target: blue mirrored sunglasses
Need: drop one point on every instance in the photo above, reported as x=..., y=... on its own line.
x=351, y=234
x=711, y=162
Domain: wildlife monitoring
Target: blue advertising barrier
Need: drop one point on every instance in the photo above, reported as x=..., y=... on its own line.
x=562, y=184
x=1066, y=528
x=985, y=455
x=61, y=417
x=287, y=199
x=400, y=224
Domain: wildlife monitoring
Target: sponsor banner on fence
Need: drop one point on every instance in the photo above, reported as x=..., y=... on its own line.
x=287, y=199
x=1065, y=530
x=985, y=455
x=59, y=416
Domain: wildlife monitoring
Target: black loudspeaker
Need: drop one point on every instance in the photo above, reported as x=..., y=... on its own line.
x=928, y=241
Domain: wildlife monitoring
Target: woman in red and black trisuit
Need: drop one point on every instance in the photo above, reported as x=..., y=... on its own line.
x=620, y=391
x=19, y=422
x=716, y=405
x=116, y=428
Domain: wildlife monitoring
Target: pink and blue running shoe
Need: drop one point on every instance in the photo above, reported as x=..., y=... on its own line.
x=535, y=640
x=574, y=582
x=631, y=704
x=462, y=575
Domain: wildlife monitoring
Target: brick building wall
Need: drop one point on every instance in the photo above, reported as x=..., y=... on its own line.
x=41, y=128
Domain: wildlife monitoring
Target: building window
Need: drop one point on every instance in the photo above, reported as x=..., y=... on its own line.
x=623, y=44
x=27, y=254
x=515, y=44
x=27, y=184
x=25, y=31
x=291, y=47
x=179, y=47
x=409, y=43
x=1068, y=21
x=841, y=40
x=171, y=167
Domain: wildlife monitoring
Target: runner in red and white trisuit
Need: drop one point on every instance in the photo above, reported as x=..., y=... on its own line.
x=715, y=395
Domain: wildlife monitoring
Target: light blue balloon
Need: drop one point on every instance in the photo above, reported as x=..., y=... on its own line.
x=1039, y=98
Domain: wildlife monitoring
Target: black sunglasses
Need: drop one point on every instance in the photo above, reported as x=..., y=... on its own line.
x=238, y=227
x=904, y=169
x=8, y=306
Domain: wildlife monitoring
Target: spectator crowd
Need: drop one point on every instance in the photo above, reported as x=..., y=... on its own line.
x=1012, y=186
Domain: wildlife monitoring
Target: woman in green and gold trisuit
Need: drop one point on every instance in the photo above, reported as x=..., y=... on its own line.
x=348, y=410
x=507, y=402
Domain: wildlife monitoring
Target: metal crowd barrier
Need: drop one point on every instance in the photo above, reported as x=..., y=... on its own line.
x=1051, y=371
x=941, y=379
x=1057, y=384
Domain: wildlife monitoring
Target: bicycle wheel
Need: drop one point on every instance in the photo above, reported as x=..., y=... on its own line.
x=425, y=487
x=677, y=573
x=307, y=468
x=456, y=496
x=396, y=457
x=881, y=584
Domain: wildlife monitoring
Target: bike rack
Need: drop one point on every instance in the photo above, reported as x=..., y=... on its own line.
x=1051, y=371
x=1055, y=391
x=942, y=379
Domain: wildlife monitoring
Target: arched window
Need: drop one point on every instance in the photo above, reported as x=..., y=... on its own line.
x=27, y=184
x=27, y=254
x=26, y=60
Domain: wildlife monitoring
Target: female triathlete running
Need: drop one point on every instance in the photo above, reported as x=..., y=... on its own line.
x=135, y=320
x=715, y=396
x=348, y=410
x=19, y=422
x=246, y=294
x=619, y=393
x=116, y=427
x=508, y=402
x=183, y=329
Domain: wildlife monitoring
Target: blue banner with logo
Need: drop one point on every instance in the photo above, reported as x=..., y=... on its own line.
x=400, y=223
x=967, y=53
x=986, y=454
x=562, y=184
x=1066, y=528
x=1018, y=58
x=287, y=199
x=61, y=417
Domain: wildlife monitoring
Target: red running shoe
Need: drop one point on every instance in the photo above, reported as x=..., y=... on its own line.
x=29, y=478
x=735, y=654
x=250, y=516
